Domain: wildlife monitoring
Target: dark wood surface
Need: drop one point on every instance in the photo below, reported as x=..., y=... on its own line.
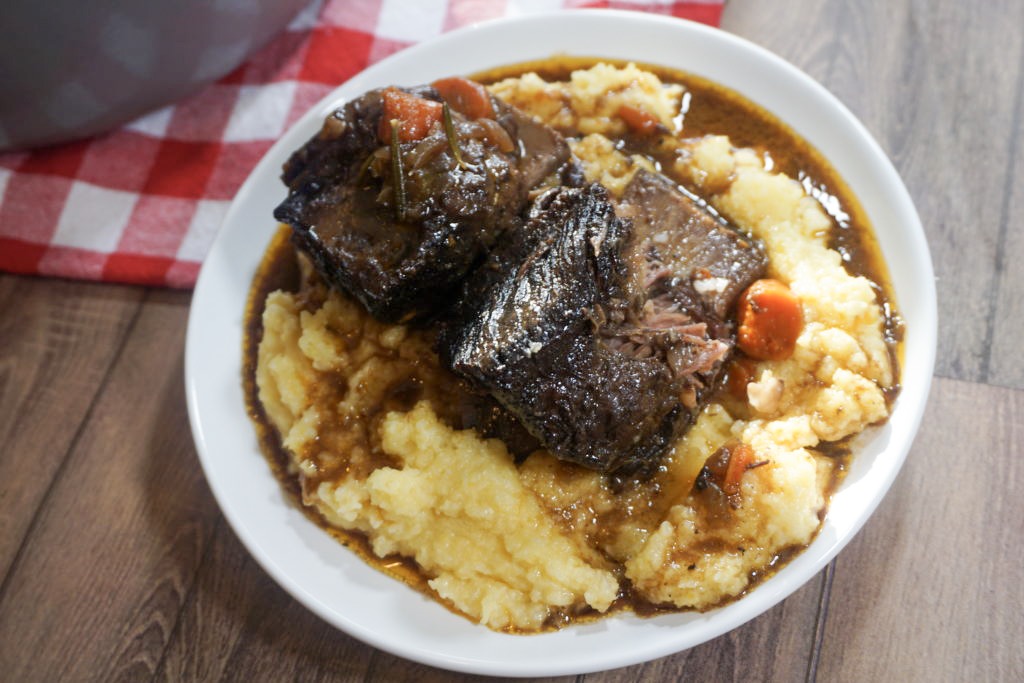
x=115, y=563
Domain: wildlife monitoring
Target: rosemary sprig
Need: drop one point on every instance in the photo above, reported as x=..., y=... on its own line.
x=397, y=172
x=449, y=132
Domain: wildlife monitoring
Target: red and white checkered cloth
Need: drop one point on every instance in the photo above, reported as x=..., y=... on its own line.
x=142, y=204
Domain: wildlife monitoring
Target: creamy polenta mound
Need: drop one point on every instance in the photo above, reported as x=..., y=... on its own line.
x=523, y=547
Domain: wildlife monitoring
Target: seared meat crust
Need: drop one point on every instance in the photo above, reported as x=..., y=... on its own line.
x=603, y=362
x=399, y=257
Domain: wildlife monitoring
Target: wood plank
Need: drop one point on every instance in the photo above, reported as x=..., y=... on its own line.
x=58, y=340
x=238, y=625
x=99, y=585
x=931, y=589
x=801, y=31
x=1005, y=364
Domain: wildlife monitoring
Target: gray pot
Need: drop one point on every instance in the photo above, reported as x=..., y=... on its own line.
x=74, y=68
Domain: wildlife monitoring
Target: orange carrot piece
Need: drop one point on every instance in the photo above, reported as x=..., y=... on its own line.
x=741, y=458
x=466, y=97
x=415, y=115
x=639, y=120
x=770, y=320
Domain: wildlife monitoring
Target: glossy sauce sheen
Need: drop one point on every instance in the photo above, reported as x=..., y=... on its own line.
x=708, y=109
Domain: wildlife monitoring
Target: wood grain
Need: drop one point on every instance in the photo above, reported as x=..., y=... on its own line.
x=1005, y=366
x=802, y=33
x=932, y=588
x=236, y=616
x=100, y=582
x=57, y=342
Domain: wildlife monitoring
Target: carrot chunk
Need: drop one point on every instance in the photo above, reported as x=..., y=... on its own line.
x=741, y=458
x=770, y=320
x=415, y=115
x=466, y=97
x=639, y=120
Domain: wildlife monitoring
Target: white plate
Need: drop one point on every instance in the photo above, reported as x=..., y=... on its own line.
x=338, y=586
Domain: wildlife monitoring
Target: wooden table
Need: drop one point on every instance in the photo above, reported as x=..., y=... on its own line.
x=116, y=563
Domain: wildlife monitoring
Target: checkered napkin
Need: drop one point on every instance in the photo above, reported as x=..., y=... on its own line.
x=142, y=204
